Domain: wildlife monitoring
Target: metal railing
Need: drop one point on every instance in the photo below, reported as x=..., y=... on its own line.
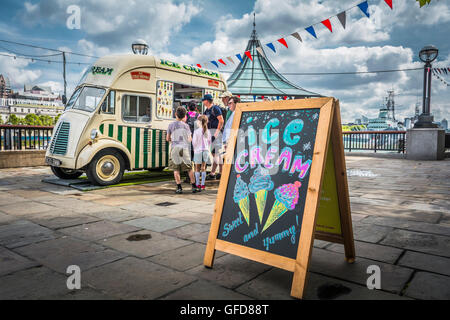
x=19, y=137
x=375, y=140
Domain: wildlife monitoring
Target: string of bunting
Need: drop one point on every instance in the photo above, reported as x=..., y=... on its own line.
x=441, y=71
x=342, y=17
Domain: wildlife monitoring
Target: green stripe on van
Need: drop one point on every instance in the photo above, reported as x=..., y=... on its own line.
x=120, y=133
x=153, y=148
x=160, y=148
x=138, y=142
x=101, y=128
x=111, y=130
x=145, y=148
x=129, y=138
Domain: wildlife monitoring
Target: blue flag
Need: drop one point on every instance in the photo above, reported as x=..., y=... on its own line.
x=271, y=46
x=239, y=57
x=311, y=31
x=215, y=63
x=364, y=6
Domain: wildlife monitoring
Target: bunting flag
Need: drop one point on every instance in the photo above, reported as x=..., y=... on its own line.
x=271, y=46
x=310, y=29
x=247, y=53
x=283, y=42
x=296, y=35
x=364, y=6
x=389, y=3
x=260, y=51
x=327, y=24
x=342, y=18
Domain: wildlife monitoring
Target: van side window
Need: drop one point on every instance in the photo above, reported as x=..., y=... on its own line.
x=109, y=104
x=136, y=108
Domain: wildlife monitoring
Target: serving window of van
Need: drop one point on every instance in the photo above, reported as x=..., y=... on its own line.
x=171, y=95
x=136, y=108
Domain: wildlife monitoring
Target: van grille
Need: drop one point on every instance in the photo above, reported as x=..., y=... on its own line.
x=60, y=139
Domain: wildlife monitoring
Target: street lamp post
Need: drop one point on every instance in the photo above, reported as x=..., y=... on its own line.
x=428, y=54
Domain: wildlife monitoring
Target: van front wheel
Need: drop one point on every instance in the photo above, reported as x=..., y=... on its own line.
x=106, y=168
x=65, y=174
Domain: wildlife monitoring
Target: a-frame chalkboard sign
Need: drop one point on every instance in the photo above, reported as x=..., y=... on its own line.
x=283, y=184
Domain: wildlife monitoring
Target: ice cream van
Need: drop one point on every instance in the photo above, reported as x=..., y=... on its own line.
x=117, y=116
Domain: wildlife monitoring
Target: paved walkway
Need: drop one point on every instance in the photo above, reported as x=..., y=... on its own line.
x=129, y=246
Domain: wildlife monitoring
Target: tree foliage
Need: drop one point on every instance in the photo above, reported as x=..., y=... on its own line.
x=423, y=2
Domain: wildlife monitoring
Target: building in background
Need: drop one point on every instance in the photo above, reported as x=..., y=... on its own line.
x=5, y=87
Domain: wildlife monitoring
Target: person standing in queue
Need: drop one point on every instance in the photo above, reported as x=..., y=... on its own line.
x=179, y=135
x=225, y=96
x=232, y=102
x=215, y=125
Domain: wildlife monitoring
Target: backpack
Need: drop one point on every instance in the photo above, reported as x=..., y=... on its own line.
x=190, y=121
x=224, y=114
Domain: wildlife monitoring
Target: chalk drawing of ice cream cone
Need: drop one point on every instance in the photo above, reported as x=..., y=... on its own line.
x=260, y=184
x=286, y=199
x=241, y=198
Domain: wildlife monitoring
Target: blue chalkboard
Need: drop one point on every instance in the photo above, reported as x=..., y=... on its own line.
x=268, y=181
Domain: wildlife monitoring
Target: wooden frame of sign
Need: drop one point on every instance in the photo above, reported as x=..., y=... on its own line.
x=328, y=129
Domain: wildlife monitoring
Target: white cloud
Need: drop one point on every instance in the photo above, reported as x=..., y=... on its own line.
x=18, y=71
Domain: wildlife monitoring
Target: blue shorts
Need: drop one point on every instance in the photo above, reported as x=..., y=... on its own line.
x=203, y=156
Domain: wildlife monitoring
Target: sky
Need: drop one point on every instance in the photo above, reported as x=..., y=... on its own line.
x=202, y=30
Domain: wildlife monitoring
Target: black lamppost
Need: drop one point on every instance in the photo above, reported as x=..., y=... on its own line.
x=428, y=54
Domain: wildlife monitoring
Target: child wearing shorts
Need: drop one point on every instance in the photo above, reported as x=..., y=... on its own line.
x=201, y=142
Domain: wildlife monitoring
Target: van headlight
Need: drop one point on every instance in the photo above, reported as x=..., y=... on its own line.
x=94, y=134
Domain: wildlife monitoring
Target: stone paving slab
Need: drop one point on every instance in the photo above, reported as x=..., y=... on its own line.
x=426, y=262
x=188, y=231
x=397, y=212
x=60, y=253
x=204, y=290
x=133, y=278
x=61, y=220
x=416, y=241
x=22, y=232
x=370, y=233
x=35, y=283
x=158, y=224
x=157, y=244
x=183, y=258
x=12, y=262
x=371, y=251
x=5, y=218
x=25, y=208
x=230, y=271
x=409, y=225
x=98, y=230
x=393, y=278
x=276, y=285
x=116, y=215
x=429, y=286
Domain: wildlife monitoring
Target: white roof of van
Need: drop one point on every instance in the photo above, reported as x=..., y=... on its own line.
x=107, y=69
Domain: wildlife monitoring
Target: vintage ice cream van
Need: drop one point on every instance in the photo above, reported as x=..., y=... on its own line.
x=117, y=117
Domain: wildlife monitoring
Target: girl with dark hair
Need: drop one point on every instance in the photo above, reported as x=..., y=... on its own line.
x=201, y=142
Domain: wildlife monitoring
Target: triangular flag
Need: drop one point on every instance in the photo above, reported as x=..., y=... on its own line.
x=198, y=65
x=254, y=98
x=215, y=63
x=247, y=53
x=283, y=42
x=230, y=59
x=389, y=3
x=364, y=6
x=239, y=57
x=297, y=36
x=260, y=51
x=311, y=31
x=342, y=18
x=448, y=69
x=445, y=70
x=271, y=46
x=222, y=62
x=327, y=24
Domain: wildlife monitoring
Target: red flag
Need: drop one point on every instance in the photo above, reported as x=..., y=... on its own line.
x=327, y=24
x=285, y=97
x=247, y=53
x=389, y=3
x=283, y=42
x=262, y=97
x=222, y=62
x=198, y=65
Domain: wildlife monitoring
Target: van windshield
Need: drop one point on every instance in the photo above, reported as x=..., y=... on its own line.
x=85, y=99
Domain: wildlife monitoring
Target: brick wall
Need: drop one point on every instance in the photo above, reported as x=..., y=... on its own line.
x=22, y=158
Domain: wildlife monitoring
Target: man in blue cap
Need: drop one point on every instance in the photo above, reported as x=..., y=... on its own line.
x=215, y=125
